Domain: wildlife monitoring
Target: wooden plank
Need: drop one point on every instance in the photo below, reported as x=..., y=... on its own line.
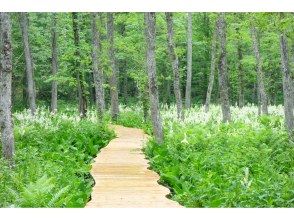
x=122, y=177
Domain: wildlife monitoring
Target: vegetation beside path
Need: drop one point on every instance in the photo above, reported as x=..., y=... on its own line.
x=205, y=163
x=53, y=159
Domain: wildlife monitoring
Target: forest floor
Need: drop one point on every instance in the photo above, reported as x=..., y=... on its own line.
x=122, y=177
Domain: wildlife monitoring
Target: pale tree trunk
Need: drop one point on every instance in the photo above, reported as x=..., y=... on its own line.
x=258, y=99
x=175, y=63
x=212, y=69
x=292, y=75
x=29, y=63
x=97, y=73
x=150, y=32
x=189, y=62
x=100, y=35
x=260, y=74
x=288, y=108
x=79, y=76
x=113, y=77
x=54, y=64
x=223, y=75
x=241, y=99
x=6, y=124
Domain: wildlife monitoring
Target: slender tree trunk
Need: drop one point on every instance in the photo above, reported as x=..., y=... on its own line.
x=212, y=70
x=189, y=62
x=54, y=64
x=97, y=73
x=288, y=108
x=113, y=77
x=175, y=64
x=125, y=86
x=29, y=63
x=260, y=75
x=223, y=78
x=100, y=36
x=150, y=32
x=6, y=124
x=292, y=76
x=143, y=96
x=258, y=99
x=240, y=77
x=79, y=75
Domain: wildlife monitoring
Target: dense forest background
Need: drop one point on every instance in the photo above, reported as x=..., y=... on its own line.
x=71, y=75
x=129, y=45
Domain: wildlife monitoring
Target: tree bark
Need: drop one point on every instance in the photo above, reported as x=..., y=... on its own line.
x=150, y=33
x=189, y=61
x=212, y=69
x=54, y=63
x=287, y=92
x=260, y=74
x=223, y=78
x=175, y=63
x=97, y=73
x=241, y=99
x=6, y=124
x=101, y=36
x=29, y=63
x=113, y=77
x=80, y=77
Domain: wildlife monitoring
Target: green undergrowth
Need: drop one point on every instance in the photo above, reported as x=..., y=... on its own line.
x=133, y=118
x=226, y=165
x=52, y=161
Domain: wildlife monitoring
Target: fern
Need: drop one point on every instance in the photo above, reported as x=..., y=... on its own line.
x=57, y=196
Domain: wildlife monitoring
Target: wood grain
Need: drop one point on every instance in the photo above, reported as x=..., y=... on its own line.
x=122, y=177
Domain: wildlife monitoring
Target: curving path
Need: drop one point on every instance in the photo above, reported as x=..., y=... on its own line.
x=121, y=174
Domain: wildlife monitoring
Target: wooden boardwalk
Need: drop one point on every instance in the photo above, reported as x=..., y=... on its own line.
x=121, y=175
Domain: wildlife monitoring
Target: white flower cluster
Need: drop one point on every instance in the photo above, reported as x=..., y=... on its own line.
x=197, y=115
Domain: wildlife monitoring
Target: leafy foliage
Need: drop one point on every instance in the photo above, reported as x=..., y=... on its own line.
x=53, y=156
x=226, y=165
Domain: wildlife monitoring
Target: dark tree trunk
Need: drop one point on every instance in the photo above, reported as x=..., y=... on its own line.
x=97, y=73
x=79, y=75
x=223, y=77
x=29, y=63
x=260, y=75
x=189, y=61
x=287, y=92
x=212, y=69
x=113, y=77
x=6, y=124
x=54, y=64
x=175, y=64
x=150, y=33
x=241, y=100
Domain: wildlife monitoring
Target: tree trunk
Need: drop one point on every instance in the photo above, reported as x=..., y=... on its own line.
x=54, y=64
x=258, y=99
x=79, y=75
x=97, y=73
x=6, y=124
x=150, y=33
x=175, y=64
x=260, y=75
x=212, y=70
x=240, y=77
x=189, y=62
x=223, y=78
x=29, y=63
x=288, y=108
x=113, y=77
